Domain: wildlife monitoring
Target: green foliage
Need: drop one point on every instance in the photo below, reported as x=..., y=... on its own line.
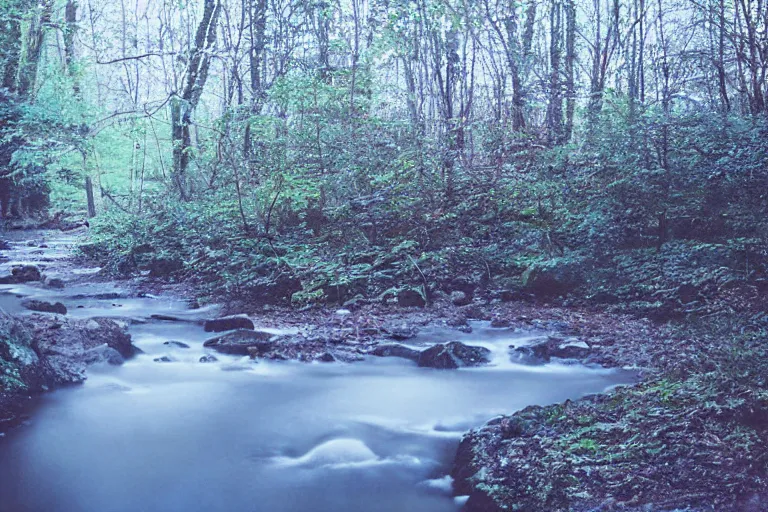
x=331, y=181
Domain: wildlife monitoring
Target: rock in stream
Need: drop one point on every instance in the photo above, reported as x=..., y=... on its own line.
x=45, y=307
x=240, y=341
x=228, y=323
x=453, y=355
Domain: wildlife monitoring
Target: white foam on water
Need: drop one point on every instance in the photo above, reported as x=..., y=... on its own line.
x=343, y=453
x=332, y=453
x=460, y=500
x=438, y=430
x=444, y=484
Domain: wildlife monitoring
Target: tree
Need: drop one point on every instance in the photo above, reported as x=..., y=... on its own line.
x=29, y=59
x=602, y=49
x=570, y=62
x=555, y=129
x=183, y=104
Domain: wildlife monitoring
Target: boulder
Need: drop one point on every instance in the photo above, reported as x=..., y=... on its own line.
x=208, y=359
x=543, y=351
x=459, y=298
x=45, y=307
x=410, y=298
x=554, y=278
x=22, y=274
x=177, y=344
x=605, y=297
x=68, y=346
x=453, y=355
x=164, y=359
x=23, y=370
x=396, y=350
x=99, y=296
x=54, y=282
x=112, y=333
x=103, y=354
x=228, y=323
x=240, y=341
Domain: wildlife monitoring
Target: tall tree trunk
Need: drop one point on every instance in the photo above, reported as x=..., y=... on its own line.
x=555, y=103
x=513, y=61
x=527, y=51
x=417, y=121
x=602, y=51
x=355, y=53
x=70, y=29
x=33, y=48
x=516, y=53
x=257, y=12
x=181, y=116
x=757, y=68
x=322, y=19
x=89, y=196
x=720, y=60
x=11, y=44
x=453, y=125
x=570, y=58
x=184, y=104
x=595, y=86
x=666, y=99
x=257, y=17
x=634, y=58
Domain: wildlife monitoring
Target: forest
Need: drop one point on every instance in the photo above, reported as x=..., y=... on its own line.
x=595, y=169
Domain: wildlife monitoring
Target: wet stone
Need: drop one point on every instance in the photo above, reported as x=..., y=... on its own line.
x=228, y=323
x=45, y=307
x=177, y=344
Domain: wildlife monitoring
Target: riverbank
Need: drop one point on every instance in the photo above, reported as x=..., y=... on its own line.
x=692, y=436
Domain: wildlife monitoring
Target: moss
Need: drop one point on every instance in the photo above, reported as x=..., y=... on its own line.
x=10, y=378
x=15, y=354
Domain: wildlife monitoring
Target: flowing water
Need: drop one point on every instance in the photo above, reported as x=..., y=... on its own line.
x=237, y=435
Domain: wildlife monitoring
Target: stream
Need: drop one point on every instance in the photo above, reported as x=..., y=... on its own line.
x=239, y=435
